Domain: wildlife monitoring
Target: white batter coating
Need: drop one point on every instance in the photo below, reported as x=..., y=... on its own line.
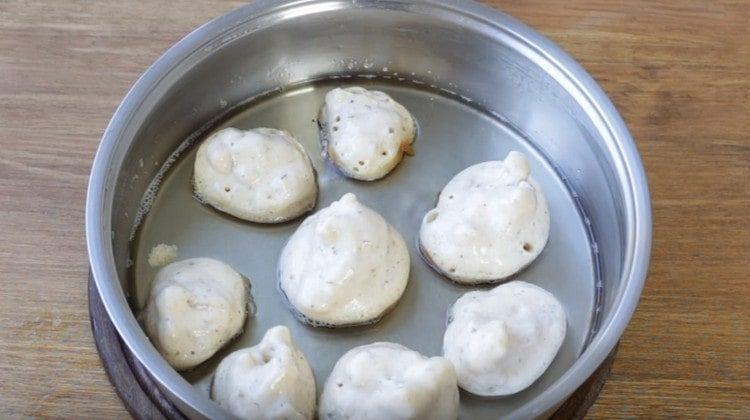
x=162, y=254
x=345, y=265
x=194, y=308
x=365, y=132
x=271, y=380
x=262, y=175
x=389, y=381
x=502, y=340
x=490, y=222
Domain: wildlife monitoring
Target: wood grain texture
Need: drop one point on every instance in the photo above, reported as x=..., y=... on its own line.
x=679, y=72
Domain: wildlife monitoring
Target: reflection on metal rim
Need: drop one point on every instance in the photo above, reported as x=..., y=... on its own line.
x=441, y=29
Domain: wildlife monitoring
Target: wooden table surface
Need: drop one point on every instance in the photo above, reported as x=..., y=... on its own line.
x=678, y=71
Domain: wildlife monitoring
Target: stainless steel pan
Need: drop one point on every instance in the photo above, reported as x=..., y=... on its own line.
x=479, y=84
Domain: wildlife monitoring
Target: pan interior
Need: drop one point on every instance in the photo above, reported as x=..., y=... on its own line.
x=452, y=135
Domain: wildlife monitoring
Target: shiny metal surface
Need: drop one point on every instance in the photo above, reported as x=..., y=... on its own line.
x=513, y=77
x=452, y=136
